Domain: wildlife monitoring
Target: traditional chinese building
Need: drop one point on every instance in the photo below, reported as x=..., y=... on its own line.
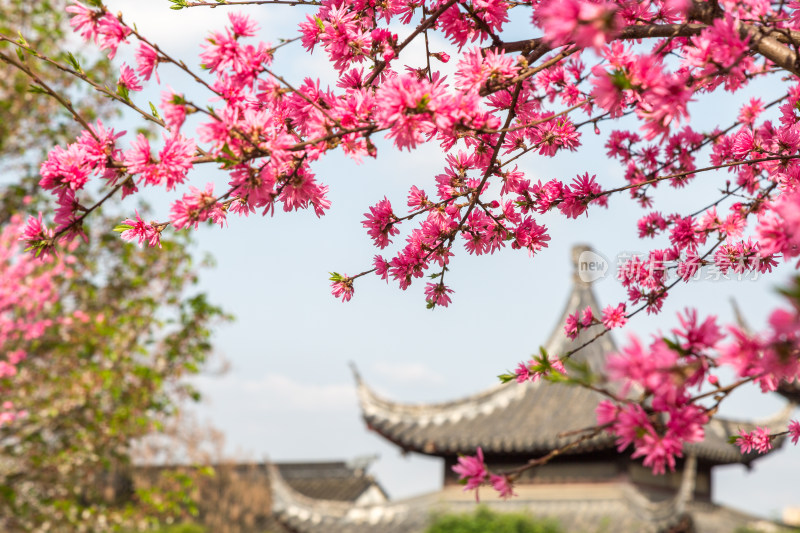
x=239, y=497
x=590, y=487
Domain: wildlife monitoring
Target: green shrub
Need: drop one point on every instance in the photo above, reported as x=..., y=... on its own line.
x=483, y=520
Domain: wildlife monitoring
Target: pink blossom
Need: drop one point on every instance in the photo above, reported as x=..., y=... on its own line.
x=587, y=317
x=685, y=234
x=197, y=206
x=759, y=440
x=101, y=26
x=381, y=267
x=128, y=79
x=381, y=223
x=147, y=61
x=437, y=294
x=530, y=235
x=614, y=317
x=342, y=287
x=409, y=106
x=751, y=111
x=586, y=23
x=174, y=107
x=606, y=412
x=37, y=237
x=779, y=230
x=762, y=440
x=522, y=373
x=651, y=368
x=554, y=135
x=140, y=231
x=659, y=451
x=417, y=198
x=503, y=485
x=794, y=431
x=139, y=158
x=471, y=470
x=697, y=337
x=70, y=168
x=721, y=46
x=176, y=160
x=571, y=326
x=242, y=25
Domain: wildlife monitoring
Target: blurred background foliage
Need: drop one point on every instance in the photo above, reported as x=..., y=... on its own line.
x=127, y=330
x=30, y=123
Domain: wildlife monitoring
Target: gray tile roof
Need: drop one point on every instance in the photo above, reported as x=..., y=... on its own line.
x=337, y=481
x=585, y=508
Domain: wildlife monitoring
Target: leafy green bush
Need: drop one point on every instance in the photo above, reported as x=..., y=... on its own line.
x=484, y=520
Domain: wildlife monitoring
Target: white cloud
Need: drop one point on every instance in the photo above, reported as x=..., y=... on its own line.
x=279, y=393
x=179, y=29
x=407, y=373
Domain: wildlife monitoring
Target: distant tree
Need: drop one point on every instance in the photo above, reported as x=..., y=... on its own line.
x=28, y=118
x=484, y=520
x=95, y=344
x=99, y=364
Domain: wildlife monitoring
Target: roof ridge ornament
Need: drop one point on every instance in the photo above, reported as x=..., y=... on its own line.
x=356, y=373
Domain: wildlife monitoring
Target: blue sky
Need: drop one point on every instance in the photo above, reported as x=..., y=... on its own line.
x=289, y=394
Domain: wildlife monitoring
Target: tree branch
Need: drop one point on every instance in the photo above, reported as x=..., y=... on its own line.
x=639, y=31
x=770, y=48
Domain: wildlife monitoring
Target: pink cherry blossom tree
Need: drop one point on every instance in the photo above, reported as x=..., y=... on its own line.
x=585, y=64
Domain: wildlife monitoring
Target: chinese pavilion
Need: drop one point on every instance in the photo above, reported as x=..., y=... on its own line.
x=591, y=487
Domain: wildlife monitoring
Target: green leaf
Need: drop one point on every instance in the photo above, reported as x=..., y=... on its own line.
x=620, y=80
x=335, y=276
x=122, y=227
x=227, y=151
x=154, y=110
x=123, y=92
x=74, y=62
x=505, y=378
x=36, y=89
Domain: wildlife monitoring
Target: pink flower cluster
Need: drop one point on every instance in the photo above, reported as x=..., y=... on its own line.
x=140, y=231
x=767, y=358
x=587, y=24
x=663, y=373
x=29, y=287
x=473, y=473
x=538, y=367
x=759, y=440
x=579, y=321
x=101, y=26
